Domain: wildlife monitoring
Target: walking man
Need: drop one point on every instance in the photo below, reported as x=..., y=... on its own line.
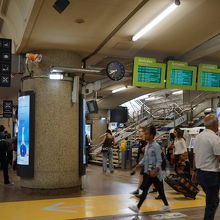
x=206, y=165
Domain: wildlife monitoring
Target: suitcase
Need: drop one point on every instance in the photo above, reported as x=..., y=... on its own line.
x=182, y=185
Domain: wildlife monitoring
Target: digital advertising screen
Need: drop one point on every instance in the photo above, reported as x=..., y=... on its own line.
x=148, y=73
x=89, y=130
x=25, y=136
x=208, y=78
x=23, y=130
x=181, y=76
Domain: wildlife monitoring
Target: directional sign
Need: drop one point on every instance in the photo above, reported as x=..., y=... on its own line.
x=5, y=62
x=168, y=216
x=7, y=108
x=59, y=208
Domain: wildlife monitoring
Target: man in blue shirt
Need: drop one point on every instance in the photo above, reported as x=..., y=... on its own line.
x=151, y=161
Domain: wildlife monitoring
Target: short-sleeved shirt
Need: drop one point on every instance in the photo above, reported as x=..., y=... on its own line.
x=207, y=147
x=180, y=146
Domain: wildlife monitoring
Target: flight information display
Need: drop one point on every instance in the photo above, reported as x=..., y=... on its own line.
x=148, y=73
x=208, y=78
x=181, y=77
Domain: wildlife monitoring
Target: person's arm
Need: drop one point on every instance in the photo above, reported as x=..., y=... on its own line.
x=140, y=164
x=159, y=161
x=216, y=149
x=114, y=142
x=194, y=175
x=103, y=141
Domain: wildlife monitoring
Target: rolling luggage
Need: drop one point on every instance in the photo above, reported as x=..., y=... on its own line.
x=182, y=185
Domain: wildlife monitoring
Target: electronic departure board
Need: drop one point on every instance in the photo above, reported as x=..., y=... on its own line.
x=148, y=73
x=208, y=77
x=181, y=76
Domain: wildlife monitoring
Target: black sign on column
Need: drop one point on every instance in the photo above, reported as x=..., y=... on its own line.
x=7, y=108
x=5, y=62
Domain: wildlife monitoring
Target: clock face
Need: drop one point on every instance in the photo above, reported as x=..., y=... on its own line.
x=115, y=71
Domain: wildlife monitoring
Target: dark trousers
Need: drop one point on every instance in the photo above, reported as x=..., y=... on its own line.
x=4, y=163
x=147, y=182
x=210, y=183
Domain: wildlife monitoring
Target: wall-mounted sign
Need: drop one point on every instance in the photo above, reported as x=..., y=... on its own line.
x=181, y=76
x=5, y=62
x=208, y=78
x=148, y=73
x=7, y=108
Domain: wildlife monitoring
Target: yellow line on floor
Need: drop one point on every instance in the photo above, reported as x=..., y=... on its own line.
x=85, y=207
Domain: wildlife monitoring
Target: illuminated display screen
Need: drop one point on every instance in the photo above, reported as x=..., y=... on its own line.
x=23, y=130
x=149, y=74
x=210, y=79
x=181, y=77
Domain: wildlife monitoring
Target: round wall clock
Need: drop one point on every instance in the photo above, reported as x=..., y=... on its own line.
x=115, y=70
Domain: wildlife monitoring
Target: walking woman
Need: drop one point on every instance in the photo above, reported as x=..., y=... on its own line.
x=107, y=145
x=151, y=161
x=179, y=145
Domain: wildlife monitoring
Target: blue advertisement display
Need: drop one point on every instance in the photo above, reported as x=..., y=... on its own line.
x=23, y=130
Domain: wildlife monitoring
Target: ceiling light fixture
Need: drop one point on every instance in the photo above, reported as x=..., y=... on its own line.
x=56, y=76
x=156, y=20
x=178, y=92
x=119, y=89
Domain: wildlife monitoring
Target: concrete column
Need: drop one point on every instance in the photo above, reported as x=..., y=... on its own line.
x=98, y=126
x=56, y=125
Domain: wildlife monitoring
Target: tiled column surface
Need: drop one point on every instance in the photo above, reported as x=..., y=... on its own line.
x=56, y=126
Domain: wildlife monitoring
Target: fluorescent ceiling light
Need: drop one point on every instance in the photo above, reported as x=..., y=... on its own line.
x=155, y=21
x=119, y=89
x=178, y=92
x=56, y=76
x=102, y=118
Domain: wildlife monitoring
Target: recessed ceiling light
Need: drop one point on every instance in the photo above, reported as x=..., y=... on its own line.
x=80, y=21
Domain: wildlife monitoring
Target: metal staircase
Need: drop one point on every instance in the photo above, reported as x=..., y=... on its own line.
x=146, y=118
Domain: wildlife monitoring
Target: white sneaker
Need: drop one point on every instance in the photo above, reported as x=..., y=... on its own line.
x=134, y=208
x=165, y=208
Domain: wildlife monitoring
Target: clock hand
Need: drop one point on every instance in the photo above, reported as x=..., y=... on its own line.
x=113, y=71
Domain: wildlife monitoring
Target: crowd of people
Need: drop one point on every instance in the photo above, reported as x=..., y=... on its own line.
x=151, y=163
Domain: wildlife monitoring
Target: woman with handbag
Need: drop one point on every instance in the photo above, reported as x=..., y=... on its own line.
x=107, y=145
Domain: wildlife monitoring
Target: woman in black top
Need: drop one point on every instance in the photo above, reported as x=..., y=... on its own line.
x=107, y=145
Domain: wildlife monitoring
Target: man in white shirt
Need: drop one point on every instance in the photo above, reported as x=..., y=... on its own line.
x=207, y=164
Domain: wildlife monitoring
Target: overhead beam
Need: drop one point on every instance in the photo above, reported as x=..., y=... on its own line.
x=208, y=47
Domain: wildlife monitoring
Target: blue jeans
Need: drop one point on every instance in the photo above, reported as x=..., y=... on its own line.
x=210, y=183
x=107, y=158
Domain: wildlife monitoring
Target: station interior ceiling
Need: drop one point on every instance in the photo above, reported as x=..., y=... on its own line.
x=189, y=34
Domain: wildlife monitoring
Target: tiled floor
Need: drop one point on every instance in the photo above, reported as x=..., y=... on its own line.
x=104, y=196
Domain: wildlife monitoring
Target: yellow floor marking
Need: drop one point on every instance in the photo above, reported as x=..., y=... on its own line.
x=85, y=207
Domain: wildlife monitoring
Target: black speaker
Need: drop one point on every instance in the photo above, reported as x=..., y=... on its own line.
x=60, y=5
